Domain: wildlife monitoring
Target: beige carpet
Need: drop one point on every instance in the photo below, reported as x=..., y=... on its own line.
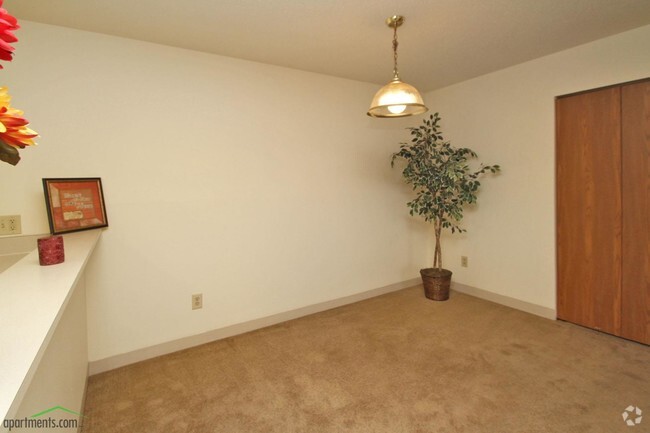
x=392, y=364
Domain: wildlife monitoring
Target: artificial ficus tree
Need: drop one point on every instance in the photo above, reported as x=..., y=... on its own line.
x=441, y=178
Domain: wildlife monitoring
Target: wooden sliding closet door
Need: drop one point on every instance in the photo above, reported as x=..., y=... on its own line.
x=636, y=212
x=588, y=204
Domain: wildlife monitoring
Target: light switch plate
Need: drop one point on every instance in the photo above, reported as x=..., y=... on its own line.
x=10, y=225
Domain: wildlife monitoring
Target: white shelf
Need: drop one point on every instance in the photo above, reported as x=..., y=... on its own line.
x=32, y=300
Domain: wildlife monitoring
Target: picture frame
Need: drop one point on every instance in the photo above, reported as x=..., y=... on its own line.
x=74, y=204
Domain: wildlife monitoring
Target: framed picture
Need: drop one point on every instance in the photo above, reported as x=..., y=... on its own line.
x=74, y=204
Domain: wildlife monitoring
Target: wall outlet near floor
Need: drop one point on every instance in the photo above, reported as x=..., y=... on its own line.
x=197, y=301
x=463, y=261
x=10, y=225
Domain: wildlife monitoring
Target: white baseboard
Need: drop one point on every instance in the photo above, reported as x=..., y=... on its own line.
x=82, y=408
x=538, y=310
x=121, y=360
x=113, y=362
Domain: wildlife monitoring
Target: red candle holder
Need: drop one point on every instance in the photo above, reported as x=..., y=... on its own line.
x=50, y=250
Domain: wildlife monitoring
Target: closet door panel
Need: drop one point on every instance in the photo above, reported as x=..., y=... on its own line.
x=635, y=113
x=588, y=201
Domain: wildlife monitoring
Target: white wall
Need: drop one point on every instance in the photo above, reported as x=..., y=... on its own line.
x=264, y=188
x=508, y=117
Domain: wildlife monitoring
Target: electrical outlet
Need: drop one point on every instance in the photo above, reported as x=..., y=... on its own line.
x=10, y=225
x=197, y=301
x=463, y=261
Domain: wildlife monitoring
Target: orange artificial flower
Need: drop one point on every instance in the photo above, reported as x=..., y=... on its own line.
x=14, y=132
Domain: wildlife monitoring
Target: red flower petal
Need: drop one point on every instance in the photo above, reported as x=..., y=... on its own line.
x=8, y=17
x=5, y=46
x=13, y=121
x=7, y=35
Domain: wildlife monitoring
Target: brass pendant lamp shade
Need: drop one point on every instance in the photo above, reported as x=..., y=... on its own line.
x=396, y=99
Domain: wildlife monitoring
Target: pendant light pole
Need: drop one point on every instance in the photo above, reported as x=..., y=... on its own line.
x=396, y=99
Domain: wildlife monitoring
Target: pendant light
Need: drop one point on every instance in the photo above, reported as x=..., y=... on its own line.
x=396, y=99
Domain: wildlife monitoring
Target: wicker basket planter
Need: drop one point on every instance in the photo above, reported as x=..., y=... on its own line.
x=436, y=283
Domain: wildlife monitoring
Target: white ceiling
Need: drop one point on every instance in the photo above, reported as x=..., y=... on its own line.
x=441, y=42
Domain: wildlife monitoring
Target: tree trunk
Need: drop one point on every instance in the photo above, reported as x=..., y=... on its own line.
x=437, y=255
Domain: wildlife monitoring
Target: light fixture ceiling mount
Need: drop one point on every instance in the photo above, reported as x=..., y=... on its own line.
x=396, y=99
x=394, y=21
